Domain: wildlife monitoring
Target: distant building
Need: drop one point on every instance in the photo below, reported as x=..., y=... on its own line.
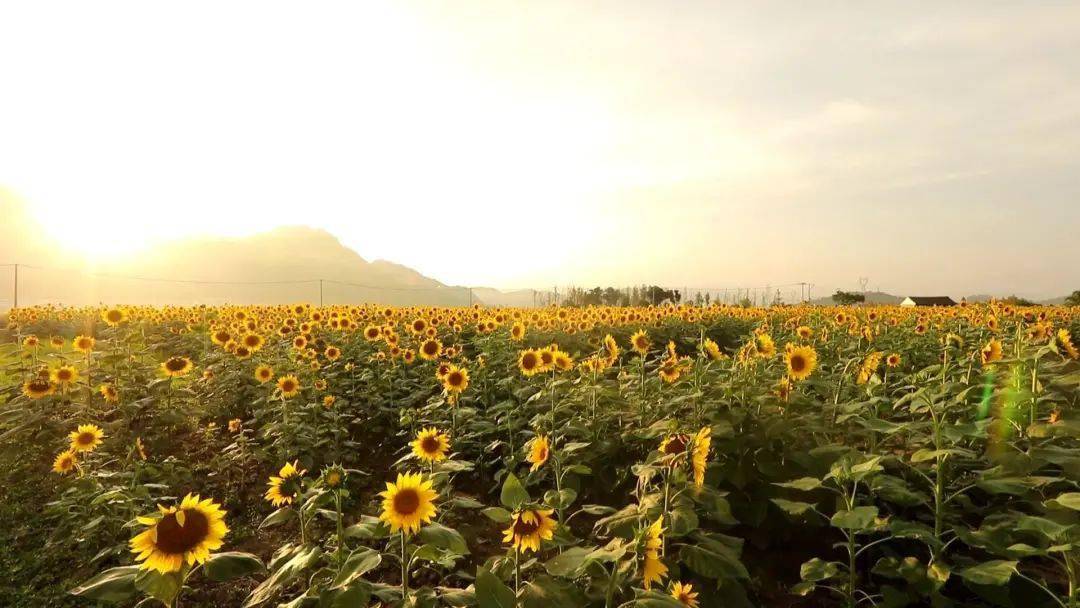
x=928, y=301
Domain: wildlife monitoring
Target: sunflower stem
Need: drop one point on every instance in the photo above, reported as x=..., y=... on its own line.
x=404, y=570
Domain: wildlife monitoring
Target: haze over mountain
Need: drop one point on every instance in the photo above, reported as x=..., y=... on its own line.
x=280, y=265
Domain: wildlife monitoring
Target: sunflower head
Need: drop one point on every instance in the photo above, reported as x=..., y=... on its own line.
x=456, y=380
x=176, y=366
x=334, y=476
x=289, y=386
x=86, y=438
x=685, y=594
x=83, y=344
x=109, y=393
x=529, y=362
x=65, y=462
x=286, y=486
x=431, y=445
x=639, y=341
x=65, y=375
x=801, y=362
x=180, y=536
x=408, y=503
x=38, y=387
x=264, y=373
x=528, y=527
x=539, y=450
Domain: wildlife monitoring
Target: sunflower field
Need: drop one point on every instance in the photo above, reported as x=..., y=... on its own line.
x=661, y=457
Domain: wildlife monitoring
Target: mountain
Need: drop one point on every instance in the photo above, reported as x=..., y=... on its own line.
x=283, y=265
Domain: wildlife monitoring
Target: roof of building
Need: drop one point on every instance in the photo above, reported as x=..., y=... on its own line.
x=932, y=300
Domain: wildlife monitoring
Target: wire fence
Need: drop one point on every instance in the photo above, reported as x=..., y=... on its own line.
x=30, y=285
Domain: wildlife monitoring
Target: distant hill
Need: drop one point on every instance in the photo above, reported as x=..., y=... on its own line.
x=278, y=266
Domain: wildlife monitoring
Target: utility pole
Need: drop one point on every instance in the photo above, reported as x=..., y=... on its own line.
x=15, y=303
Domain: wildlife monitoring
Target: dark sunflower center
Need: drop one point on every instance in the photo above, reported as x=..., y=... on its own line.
x=114, y=316
x=525, y=528
x=406, y=502
x=222, y=336
x=429, y=348
x=430, y=445
x=251, y=341
x=455, y=379
x=528, y=361
x=288, y=386
x=798, y=363
x=63, y=375
x=677, y=445
x=174, y=538
x=175, y=364
x=39, y=385
x=86, y=438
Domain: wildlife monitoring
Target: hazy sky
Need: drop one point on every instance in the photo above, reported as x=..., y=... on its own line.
x=932, y=147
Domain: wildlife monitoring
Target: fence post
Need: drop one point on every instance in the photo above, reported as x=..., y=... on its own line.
x=15, y=302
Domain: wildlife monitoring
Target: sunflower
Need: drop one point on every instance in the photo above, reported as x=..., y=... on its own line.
x=83, y=344
x=712, y=350
x=264, y=373
x=1065, y=339
x=764, y=345
x=372, y=333
x=430, y=445
x=252, y=342
x=332, y=353
x=430, y=349
x=529, y=362
x=456, y=380
x=174, y=367
x=674, y=447
x=109, y=393
x=31, y=341
x=235, y=425
x=801, y=361
x=289, y=386
x=140, y=448
x=38, y=387
x=563, y=361
x=65, y=375
x=654, y=570
x=700, y=454
x=539, y=449
x=180, y=535
x=528, y=527
x=408, y=503
x=286, y=486
x=114, y=316
x=893, y=360
x=334, y=475
x=685, y=594
x=670, y=370
x=57, y=342
x=86, y=437
x=804, y=332
x=517, y=331
x=640, y=342
x=991, y=352
x=611, y=349
x=65, y=462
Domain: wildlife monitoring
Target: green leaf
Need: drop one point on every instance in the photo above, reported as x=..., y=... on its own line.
x=805, y=484
x=277, y=518
x=492, y=592
x=995, y=572
x=568, y=562
x=818, y=570
x=714, y=561
x=792, y=507
x=160, y=586
x=544, y=591
x=513, y=493
x=113, y=585
x=1069, y=500
x=231, y=564
x=444, y=538
x=358, y=564
x=498, y=515
x=858, y=518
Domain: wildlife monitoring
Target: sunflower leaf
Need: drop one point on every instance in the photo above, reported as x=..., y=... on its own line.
x=513, y=493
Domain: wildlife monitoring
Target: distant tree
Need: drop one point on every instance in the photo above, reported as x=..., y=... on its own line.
x=1073, y=299
x=746, y=302
x=1018, y=301
x=845, y=298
